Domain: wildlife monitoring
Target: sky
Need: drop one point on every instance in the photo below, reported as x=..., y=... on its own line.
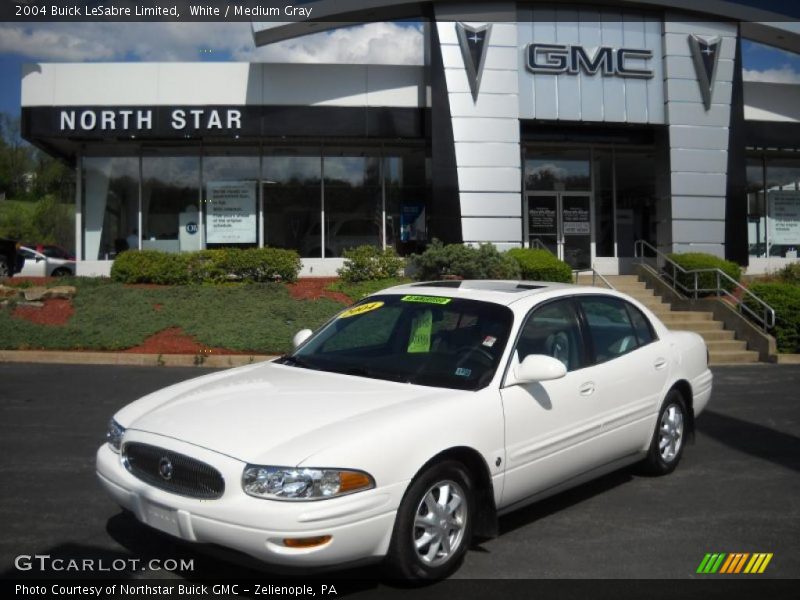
x=384, y=43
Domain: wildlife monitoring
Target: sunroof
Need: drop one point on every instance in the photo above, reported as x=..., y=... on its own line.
x=489, y=285
x=444, y=284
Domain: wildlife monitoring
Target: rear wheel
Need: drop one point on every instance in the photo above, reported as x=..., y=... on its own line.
x=666, y=447
x=434, y=524
x=4, y=270
x=61, y=272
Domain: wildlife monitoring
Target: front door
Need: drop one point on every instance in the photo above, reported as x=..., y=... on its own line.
x=561, y=223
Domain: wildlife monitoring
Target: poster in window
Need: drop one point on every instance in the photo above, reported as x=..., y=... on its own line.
x=575, y=215
x=542, y=215
x=231, y=212
x=784, y=217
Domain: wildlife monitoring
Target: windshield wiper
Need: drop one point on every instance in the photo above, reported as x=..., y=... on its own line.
x=288, y=359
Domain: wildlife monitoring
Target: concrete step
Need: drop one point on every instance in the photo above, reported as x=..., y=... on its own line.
x=734, y=357
x=717, y=335
x=696, y=326
x=726, y=345
x=686, y=315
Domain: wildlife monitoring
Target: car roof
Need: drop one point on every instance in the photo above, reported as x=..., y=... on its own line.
x=488, y=290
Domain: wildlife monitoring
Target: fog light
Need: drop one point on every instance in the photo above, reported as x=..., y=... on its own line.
x=309, y=542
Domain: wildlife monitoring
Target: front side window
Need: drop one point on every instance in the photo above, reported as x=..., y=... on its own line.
x=553, y=330
x=610, y=327
x=424, y=340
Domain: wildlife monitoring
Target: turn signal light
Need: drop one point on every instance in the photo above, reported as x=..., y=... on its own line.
x=350, y=481
x=309, y=542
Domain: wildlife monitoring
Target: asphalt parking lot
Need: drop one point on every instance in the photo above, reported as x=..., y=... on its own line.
x=737, y=489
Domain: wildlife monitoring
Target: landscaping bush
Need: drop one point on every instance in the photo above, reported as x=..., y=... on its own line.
x=457, y=261
x=369, y=263
x=785, y=299
x=541, y=265
x=206, y=266
x=700, y=260
x=790, y=274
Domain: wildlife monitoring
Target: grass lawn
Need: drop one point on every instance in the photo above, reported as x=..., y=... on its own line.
x=259, y=318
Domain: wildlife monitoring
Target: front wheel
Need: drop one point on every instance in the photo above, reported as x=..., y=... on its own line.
x=666, y=447
x=434, y=524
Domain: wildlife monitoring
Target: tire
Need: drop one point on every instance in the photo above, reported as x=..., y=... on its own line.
x=666, y=447
x=61, y=272
x=408, y=557
x=4, y=270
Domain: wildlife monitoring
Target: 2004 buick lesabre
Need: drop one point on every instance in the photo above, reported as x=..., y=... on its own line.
x=405, y=425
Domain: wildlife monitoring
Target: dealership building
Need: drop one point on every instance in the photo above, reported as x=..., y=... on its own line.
x=581, y=128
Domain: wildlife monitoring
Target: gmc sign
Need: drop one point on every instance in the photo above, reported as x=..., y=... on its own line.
x=559, y=58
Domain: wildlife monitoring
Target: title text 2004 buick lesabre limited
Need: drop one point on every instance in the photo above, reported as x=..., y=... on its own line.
x=408, y=422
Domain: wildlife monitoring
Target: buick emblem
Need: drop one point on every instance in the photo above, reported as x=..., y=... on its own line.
x=165, y=468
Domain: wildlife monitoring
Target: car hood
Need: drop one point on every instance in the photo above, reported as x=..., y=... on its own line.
x=273, y=414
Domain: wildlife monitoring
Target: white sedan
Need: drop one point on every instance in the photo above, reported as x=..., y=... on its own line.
x=38, y=264
x=405, y=425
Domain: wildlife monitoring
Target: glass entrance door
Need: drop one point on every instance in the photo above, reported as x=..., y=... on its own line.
x=561, y=223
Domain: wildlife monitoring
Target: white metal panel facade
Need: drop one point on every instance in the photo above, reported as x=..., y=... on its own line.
x=585, y=97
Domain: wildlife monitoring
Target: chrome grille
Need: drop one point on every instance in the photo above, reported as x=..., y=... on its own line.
x=173, y=472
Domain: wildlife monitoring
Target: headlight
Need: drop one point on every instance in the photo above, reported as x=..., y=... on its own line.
x=290, y=483
x=114, y=435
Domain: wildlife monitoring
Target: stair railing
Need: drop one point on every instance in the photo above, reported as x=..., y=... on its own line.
x=670, y=272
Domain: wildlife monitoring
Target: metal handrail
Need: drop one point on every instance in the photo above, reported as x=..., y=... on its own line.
x=595, y=275
x=767, y=316
x=537, y=243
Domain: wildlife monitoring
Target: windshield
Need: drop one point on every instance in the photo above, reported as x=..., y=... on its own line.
x=425, y=340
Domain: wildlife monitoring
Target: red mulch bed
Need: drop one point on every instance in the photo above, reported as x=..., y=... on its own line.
x=54, y=312
x=17, y=281
x=175, y=341
x=312, y=288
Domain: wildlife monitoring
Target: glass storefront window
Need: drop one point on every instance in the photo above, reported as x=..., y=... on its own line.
x=636, y=199
x=170, y=196
x=407, y=179
x=292, y=195
x=558, y=170
x=783, y=206
x=110, y=206
x=353, y=203
x=604, y=202
x=230, y=202
x=756, y=208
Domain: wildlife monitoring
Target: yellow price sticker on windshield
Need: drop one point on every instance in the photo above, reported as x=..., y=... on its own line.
x=426, y=299
x=421, y=326
x=360, y=309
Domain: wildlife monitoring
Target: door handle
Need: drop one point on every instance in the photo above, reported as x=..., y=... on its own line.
x=587, y=389
x=660, y=363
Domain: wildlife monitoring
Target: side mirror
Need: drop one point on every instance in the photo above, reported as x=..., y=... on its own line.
x=39, y=258
x=537, y=367
x=300, y=337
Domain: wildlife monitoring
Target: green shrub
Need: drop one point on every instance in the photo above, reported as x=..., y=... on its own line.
x=458, y=261
x=206, y=266
x=700, y=260
x=151, y=266
x=541, y=265
x=790, y=274
x=785, y=299
x=368, y=263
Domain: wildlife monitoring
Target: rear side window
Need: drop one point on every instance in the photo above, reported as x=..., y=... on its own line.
x=644, y=331
x=610, y=327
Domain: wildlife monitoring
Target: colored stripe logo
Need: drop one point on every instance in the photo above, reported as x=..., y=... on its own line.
x=734, y=563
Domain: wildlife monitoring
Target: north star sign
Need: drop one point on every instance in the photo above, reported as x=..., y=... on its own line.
x=142, y=119
x=560, y=58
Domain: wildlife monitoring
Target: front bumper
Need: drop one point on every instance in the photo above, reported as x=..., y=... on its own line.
x=360, y=525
